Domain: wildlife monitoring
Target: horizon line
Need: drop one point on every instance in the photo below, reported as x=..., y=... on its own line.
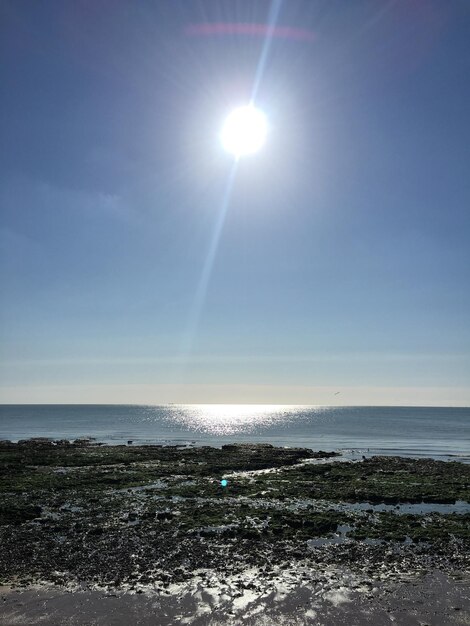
x=267, y=404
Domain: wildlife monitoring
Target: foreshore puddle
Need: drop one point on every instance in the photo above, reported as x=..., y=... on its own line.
x=421, y=508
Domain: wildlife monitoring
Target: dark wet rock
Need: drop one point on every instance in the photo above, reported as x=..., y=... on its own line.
x=321, y=454
x=164, y=515
x=84, y=441
x=36, y=441
x=19, y=513
x=252, y=447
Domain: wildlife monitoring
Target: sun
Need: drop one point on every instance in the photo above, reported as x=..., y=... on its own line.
x=244, y=131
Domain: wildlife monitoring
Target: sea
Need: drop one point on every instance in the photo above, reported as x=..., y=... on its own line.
x=436, y=432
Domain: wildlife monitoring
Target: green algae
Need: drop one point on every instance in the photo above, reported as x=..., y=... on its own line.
x=122, y=506
x=430, y=528
x=18, y=513
x=378, y=480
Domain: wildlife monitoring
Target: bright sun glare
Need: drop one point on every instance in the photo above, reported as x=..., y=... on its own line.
x=244, y=131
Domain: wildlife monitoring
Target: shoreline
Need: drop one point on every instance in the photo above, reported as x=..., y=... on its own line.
x=345, y=454
x=155, y=522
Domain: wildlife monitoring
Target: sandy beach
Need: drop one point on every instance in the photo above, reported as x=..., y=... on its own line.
x=96, y=534
x=434, y=599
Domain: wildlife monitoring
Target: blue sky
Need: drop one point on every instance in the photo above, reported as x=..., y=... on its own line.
x=343, y=262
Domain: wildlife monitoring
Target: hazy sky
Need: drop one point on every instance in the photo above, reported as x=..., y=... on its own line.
x=136, y=267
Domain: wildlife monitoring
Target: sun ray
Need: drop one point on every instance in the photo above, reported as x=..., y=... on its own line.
x=203, y=284
x=272, y=19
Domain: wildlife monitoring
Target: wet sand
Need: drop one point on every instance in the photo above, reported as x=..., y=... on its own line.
x=433, y=599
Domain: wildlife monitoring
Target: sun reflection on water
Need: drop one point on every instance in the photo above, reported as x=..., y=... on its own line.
x=232, y=419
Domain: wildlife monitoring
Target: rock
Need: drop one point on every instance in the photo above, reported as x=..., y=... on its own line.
x=321, y=454
x=36, y=441
x=84, y=441
x=254, y=447
x=164, y=515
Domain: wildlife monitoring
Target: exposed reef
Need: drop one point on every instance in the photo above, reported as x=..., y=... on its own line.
x=130, y=517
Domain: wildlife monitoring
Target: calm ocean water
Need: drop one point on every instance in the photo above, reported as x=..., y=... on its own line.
x=411, y=431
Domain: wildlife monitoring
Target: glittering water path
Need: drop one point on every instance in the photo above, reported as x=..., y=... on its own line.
x=413, y=431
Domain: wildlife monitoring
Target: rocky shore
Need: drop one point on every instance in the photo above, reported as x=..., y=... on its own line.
x=158, y=520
